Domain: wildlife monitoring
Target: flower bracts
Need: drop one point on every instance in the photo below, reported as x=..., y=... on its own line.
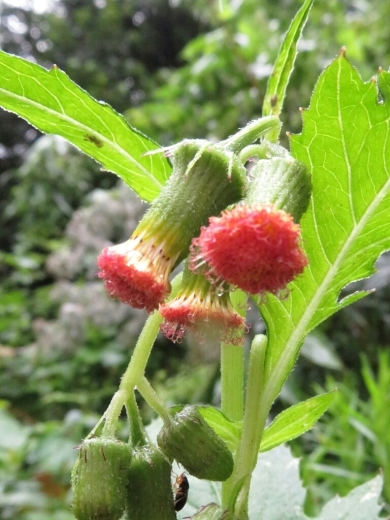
x=256, y=246
x=205, y=180
x=198, y=307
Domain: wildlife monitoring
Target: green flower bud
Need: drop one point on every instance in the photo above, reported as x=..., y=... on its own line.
x=194, y=444
x=211, y=512
x=205, y=180
x=283, y=182
x=99, y=479
x=149, y=492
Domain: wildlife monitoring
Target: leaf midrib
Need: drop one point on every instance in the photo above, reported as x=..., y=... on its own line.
x=86, y=129
x=300, y=330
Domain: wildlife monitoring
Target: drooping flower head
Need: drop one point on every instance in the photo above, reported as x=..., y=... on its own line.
x=136, y=272
x=256, y=248
x=204, y=181
x=198, y=307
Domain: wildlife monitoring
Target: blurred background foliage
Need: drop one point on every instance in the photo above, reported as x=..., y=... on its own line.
x=178, y=68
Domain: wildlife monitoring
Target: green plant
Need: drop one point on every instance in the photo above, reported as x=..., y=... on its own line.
x=344, y=146
x=352, y=442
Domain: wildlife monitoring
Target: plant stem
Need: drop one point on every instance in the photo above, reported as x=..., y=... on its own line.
x=250, y=133
x=136, y=367
x=139, y=359
x=112, y=414
x=232, y=381
x=252, y=430
x=138, y=436
x=153, y=400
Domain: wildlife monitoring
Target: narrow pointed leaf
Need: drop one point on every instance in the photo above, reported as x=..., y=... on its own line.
x=295, y=421
x=51, y=102
x=284, y=65
x=346, y=144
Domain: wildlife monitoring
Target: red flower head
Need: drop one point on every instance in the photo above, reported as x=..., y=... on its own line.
x=255, y=248
x=199, y=308
x=136, y=272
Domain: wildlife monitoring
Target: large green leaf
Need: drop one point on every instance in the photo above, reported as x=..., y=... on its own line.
x=346, y=144
x=49, y=100
x=277, y=493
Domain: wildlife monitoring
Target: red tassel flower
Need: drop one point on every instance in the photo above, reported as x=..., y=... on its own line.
x=256, y=248
x=199, y=308
x=136, y=272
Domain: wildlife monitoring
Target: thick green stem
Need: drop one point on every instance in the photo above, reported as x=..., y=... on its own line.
x=112, y=413
x=232, y=381
x=252, y=430
x=153, y=400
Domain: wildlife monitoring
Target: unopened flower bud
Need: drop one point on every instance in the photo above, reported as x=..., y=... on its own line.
x=99, y=479
x=189, y=440
x=205, y=180
x=282, y=182
x=149, y=491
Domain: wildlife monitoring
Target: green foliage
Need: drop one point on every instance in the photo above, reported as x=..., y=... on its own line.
x=295, y=421
x=277, y=493
x=284, y=64
x=224, y=88
x=35, y=461
x=344, y=229
x=53, y=103
x=351, y=443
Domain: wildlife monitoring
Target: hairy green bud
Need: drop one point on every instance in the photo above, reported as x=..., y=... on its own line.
x=194, y=444
x=99, y=479
x=283, y=182
x=149, y=492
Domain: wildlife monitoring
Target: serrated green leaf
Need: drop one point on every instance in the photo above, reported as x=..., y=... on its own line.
x=276, y=491
x=229, y=431
x=50, y=101
x=345, y=144
x=295, y=421
x=384, y=84
x=360, y=504
x=284, y=64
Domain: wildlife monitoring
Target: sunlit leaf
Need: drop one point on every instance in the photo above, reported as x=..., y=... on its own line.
x=346, y=144
x=50, y=101
x=295, y=421
x=284, y=64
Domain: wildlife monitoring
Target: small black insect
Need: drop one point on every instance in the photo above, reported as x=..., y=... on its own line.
x=181, y=488
x=93, y=139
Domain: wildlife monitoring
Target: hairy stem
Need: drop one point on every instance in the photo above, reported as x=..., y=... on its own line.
x=252, y=430
x=153, y=400
x=136, y=367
